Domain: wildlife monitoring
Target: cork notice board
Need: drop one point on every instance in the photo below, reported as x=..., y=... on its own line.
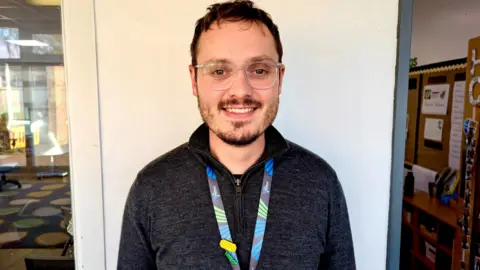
x=412, y=116
x=433, y=151
x=471, y=112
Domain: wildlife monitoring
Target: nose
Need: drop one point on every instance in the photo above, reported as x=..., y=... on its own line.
x=240, y=86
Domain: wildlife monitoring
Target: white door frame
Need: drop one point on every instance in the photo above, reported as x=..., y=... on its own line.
x=79, y=39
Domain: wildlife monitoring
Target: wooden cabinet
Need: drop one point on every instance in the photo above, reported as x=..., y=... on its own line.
x=428, y=232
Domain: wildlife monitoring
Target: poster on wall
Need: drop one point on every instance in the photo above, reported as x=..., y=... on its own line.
x=456, y=125
x=433, y=129
x=435, y=99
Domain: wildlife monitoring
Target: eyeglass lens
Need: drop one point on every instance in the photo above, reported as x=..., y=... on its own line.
x=259, y=75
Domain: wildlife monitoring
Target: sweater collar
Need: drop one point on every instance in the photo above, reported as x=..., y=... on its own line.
x=275, y=144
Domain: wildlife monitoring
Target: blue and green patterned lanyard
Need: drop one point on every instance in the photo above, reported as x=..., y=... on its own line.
x=261, y=216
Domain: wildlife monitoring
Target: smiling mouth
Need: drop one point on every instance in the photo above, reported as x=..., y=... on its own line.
x=239, y=113
x=239, y=110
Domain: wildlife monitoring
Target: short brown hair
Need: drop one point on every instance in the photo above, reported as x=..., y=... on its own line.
x=234, y=11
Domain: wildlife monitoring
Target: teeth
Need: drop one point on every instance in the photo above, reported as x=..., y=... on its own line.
x=239, y=110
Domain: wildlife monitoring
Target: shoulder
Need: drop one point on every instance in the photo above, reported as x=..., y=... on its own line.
x=170, y=161
x=313, y=169
x=155, y=175
x=309, y=162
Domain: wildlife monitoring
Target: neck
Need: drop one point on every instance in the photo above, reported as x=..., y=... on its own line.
x=235, y=158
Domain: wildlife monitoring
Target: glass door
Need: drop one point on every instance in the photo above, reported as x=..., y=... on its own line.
x=35, y=204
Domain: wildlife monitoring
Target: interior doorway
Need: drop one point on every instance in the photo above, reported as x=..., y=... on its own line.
x=434, y=209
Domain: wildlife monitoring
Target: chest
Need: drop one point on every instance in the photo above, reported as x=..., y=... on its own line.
x=184, y=232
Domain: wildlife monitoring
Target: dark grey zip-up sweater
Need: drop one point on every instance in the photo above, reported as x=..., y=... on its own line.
x=169, y=222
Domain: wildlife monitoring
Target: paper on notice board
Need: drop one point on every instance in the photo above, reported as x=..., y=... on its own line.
x=422, y=177
x=455, y=151
x=435, y=99
x=433, y=129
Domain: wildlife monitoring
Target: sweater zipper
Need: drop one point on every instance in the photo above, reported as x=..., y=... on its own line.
x=238, y=205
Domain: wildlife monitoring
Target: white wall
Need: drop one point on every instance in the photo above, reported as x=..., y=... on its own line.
x=441, y=29
x=337, y=99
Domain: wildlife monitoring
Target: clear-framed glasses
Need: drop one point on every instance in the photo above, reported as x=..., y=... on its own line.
x=259, y=75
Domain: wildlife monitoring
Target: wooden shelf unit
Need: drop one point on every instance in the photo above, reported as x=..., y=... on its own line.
x=422, y=208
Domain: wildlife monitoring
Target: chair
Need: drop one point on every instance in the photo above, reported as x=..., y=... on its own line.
x=4, y=169
x=49, y=263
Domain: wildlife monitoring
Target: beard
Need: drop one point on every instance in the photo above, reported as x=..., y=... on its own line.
x=237, y=135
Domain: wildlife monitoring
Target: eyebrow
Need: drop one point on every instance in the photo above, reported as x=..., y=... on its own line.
x=253, y=59
x=260, y=58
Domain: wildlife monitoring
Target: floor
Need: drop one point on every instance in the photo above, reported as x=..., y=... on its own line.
x=13, y=259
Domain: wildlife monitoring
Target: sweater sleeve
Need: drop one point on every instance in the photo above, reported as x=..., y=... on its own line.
x=339, y=252
x=135, y=250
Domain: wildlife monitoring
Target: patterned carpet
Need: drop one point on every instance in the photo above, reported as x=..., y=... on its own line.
x=31, y=217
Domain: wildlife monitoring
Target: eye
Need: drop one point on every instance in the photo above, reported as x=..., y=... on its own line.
x=260, y=72
x=260, y=69
x=218, y=72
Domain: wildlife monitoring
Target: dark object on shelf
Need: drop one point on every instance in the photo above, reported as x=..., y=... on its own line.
x=431, y=190
x=49, y=263
x=408, y=188
x=4, y=169
x=443, y=260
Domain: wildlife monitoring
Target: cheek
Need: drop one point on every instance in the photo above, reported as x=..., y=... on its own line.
x=208, y=97
x=269, y=98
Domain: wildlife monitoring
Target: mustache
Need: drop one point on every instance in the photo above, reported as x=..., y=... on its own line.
x=250, y=102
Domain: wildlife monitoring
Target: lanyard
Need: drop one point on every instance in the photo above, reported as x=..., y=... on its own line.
x=262, y=214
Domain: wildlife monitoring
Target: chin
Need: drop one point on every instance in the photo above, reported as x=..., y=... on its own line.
x=243, y=127
x=240, y=135
x=238, y=140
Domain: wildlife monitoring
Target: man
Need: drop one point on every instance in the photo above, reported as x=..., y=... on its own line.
x=237, y=195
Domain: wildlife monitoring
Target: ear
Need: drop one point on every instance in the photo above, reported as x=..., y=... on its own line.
x=280, y=79
x=194, y=80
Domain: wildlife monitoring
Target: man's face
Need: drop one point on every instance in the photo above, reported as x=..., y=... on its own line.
x=236, y=96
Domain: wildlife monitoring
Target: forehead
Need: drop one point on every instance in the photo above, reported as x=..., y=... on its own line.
x=237, y=42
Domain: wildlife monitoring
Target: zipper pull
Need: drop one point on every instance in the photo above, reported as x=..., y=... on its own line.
x=238, y=186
